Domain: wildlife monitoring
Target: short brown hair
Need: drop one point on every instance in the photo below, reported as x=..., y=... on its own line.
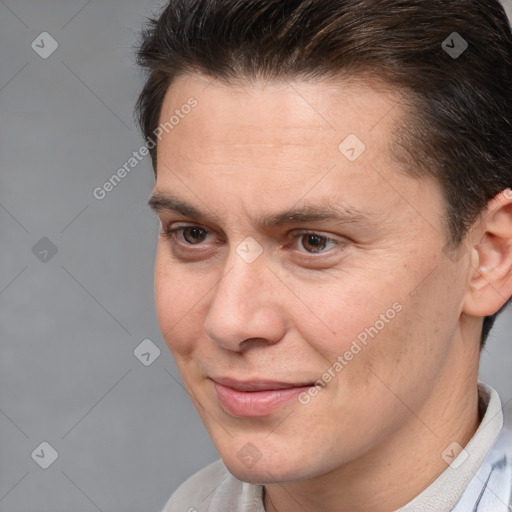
x=451, y=59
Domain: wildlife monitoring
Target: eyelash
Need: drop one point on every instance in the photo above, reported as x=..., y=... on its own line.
x=171, y=234
x=298, y=234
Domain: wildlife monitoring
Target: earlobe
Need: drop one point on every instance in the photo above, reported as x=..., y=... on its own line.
x=490, y=278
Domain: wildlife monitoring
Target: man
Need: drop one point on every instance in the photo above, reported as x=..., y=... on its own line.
x=333, y=185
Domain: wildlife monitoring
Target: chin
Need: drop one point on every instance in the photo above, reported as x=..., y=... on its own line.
x=265, y=470
x=257, y=475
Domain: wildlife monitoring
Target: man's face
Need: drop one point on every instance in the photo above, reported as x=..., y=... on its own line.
x=293, y=249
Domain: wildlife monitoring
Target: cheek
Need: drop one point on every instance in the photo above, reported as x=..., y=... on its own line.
x=376, y=325
x=180, y=304
x=349, y=311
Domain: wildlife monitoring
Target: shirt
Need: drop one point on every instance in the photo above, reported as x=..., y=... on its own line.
x=479, y=479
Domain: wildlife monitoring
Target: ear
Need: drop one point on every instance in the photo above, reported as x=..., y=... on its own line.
x=490, y=278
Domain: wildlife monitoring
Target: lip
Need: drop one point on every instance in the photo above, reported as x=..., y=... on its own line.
x=256, y=398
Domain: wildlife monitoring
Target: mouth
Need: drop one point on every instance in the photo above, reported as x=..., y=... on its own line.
x=255, y=398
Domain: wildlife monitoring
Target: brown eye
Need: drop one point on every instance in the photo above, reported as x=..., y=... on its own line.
x=313, y=243
x=194, y=235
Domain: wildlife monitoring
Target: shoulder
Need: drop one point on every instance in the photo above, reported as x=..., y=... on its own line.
x=195, y=490
x=502, y=446
x=215, y=488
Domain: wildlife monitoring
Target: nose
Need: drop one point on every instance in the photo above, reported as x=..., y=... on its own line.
x=245, y=310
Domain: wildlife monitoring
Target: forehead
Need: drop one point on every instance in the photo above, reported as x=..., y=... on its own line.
x=280, y=113
x=259, y=143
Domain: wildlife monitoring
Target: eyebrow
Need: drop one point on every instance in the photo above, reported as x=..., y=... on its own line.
x=331, y=210
x=166, y=203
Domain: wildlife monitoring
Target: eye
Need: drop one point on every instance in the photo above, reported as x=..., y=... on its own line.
x=187, y=234
x=314, y=242
x=194, y=234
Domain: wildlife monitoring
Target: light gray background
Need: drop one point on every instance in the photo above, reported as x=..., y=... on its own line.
x=125, y=433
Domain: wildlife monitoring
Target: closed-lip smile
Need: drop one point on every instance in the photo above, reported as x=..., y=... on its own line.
x=254, y=398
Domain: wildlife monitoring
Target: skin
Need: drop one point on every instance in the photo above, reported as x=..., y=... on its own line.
x=254, y=150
